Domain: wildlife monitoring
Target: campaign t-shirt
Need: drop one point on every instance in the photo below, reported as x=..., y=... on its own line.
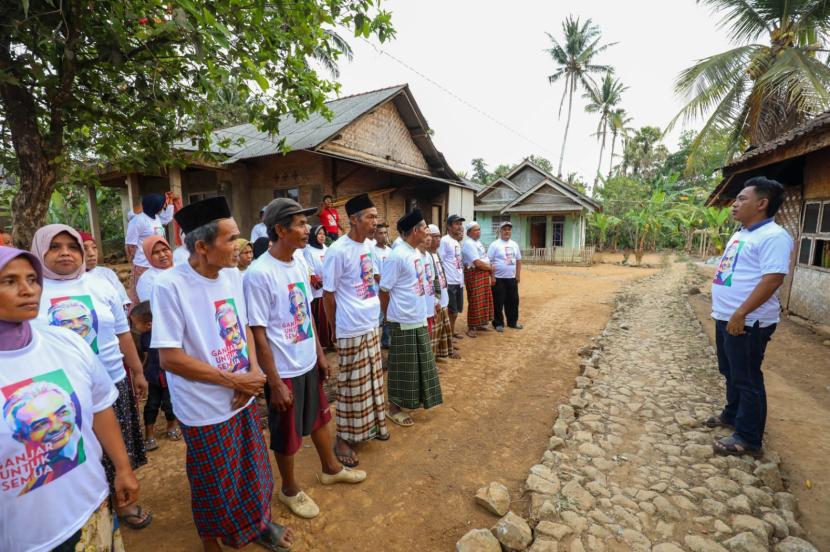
x=473, y=250
x=51, y=477
x=429, y=285
x=259, y=231
x=403, y=278
x=329, y=219
x=349, y=273
x=146, y=282
x=504, y=254
x=450, y=253
x=381, y=253
x=110, y=276
x=314, y=258
x=444, y=299
x=206, y=318
x=749, y=254
x=397, y=242
x=142, y=227
x=180, y=255
x=278, y=296
x=93, y=310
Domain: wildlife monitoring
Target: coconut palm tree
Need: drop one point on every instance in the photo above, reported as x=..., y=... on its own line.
x=574, y=59
x=618, y=122
x=770, y=82
x=603, y=99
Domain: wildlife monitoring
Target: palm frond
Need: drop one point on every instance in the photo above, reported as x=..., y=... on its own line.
x=742, y=17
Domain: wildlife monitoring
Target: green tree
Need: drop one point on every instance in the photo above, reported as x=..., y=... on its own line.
x=541, y=162
x=603, y=99
x=603, y=223
x=480, y=173
x=644, y=154
x=574, y=57
x=755, y=91
x=618, y=123
x=120, y=81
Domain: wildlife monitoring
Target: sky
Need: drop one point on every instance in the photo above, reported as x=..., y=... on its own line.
x=492, y=56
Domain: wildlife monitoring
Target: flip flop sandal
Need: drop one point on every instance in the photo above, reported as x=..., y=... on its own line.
x=270, y=538
x=350, y=460
x=401, y=418
x=716, y=421
x=150, y=444
x=175, y=435
x=380, y=437
x=457, y=336
x=730, y=446
x=138, y=514
x=471, y=334
x=455, y=356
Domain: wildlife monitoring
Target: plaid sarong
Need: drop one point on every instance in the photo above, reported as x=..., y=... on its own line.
x=479, y=297
x=230, y=478
x=361, y=406
x=413, y=376
x=442, y=334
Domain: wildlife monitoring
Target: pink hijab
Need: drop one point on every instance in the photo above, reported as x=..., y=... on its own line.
x=148, y=244
x=40, y=245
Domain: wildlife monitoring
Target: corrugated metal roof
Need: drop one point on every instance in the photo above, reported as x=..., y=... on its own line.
x=820, y=122
x=298, y=135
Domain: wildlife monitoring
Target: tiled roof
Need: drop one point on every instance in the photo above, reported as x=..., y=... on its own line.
x=820, y=122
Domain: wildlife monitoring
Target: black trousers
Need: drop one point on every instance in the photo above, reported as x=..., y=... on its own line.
x=506, y=301
x=158, y=397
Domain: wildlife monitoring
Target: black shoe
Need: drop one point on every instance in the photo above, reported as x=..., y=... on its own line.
x=517, y=326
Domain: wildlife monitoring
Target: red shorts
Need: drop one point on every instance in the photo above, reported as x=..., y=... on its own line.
x=309, y=412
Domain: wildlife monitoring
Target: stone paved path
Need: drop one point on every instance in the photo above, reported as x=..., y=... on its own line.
x=629, y=466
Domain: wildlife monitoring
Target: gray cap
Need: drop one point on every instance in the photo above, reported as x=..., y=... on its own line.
x=282, y=208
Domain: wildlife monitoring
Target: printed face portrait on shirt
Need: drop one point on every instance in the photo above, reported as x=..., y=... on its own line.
x=44, y=416
x=509, y=255
x=367, y=276
x=298, y=306
x=419, y=284
x=232, y=333
x=76, y=313
x=723, y=276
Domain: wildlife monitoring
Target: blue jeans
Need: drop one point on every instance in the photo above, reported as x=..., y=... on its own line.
x=739, y=360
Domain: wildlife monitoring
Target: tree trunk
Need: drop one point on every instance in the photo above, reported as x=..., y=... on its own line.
x=37, y=182
x=613, y=147
x=599, y=164
x=567, y=126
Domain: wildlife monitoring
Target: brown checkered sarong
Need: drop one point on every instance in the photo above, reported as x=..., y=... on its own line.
x=480, y=311
x=361, y=406
x=442, y=334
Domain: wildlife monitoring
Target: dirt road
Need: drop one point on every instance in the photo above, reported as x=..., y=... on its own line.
x=499, y=405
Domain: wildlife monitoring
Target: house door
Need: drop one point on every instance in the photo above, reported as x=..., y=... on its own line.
x=538, y=231
x=437, y=215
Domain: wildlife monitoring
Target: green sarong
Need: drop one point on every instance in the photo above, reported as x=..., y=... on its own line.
x=413, y=376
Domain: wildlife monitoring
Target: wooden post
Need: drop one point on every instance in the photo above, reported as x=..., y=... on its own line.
x=94, y=221
x=175, y=178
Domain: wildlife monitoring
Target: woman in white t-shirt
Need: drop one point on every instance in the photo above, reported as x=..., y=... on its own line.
x=103, y=272
x=56, y=400
x=314, y=254
x=72, y=299
x=158, y=253
x=157, y=211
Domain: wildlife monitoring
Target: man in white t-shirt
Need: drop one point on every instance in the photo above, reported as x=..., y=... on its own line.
x=746, y=311
x=442, y=344
x=450, y=253
x=478, y=279
x=381, y=251
x=350, y=296
x=413, y=375
x=506, y=257
x=259, y=230
x=278, y=292
x=200, y=329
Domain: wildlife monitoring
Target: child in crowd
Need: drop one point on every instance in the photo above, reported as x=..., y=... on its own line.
x=158, y=395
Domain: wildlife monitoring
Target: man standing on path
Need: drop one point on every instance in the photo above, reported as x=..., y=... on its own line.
x=478, y=279
x=450, y=254
x=413, y=375
x=200, y=329
x=277, y=291
x=746, y=311
x=259, y=230
x=330, y=218
x=350, y=297
x=442, y=344
x=381, y=251
x=507, y=269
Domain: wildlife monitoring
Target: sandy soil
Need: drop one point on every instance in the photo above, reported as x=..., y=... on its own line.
x=797, y=376
x=499, y=405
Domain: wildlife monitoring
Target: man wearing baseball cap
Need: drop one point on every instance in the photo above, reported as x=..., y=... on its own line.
x=506, y=257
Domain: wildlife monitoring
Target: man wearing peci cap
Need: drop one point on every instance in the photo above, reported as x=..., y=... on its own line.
x=278, y=293
x=507, y=269
x=442, y=344
x=200, y=329
x=413, y=376
x=259, y=230
x=350, y=297
x=450, y=253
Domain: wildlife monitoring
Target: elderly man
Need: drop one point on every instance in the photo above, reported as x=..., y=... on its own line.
x=352, y=307
x=442, y=344
x=277, y=289
x=413, y=375
x=213, y=376
x=507, y=270
x=478, y=279
x=746, y=311
x=450, y=253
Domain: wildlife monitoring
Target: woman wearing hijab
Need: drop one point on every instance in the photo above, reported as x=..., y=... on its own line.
x=158, y=254
x=51, y=373
x=103, y=272
x=246, y=254
x=150, y=222
x=260, y=246
x=314, y=253
x=74, y=300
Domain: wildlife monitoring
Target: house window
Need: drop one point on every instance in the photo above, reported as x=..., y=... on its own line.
x=496, y=222
x=814, y=249
x=558, y=231
x=290, y=193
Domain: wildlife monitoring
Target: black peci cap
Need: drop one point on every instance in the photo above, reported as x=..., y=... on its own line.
x=190, y=217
